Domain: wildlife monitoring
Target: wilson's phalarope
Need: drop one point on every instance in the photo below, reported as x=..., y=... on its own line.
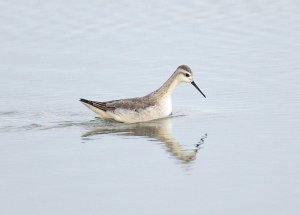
x=152, y=106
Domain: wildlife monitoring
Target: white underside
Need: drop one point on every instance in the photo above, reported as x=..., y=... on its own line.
x=160, y=110
x=100, y=113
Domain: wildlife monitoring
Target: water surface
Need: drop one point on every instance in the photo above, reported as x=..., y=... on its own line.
x=235, y=152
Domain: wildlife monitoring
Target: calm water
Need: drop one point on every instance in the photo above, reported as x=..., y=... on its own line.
x=236, y=152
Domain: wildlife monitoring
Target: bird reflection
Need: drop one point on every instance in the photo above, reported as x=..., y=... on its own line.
x=158, y=130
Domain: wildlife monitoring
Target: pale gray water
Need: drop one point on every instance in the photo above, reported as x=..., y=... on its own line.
x=56, y=158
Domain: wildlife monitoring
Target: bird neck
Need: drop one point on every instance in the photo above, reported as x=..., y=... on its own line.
x=168, y=87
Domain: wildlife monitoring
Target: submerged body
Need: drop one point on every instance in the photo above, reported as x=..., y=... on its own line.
x=155, y=105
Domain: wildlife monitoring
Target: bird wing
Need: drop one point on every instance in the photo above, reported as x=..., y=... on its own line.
x=100, y=105
x=129, y=104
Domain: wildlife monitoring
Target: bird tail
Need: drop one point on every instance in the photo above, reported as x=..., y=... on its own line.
x=97, y=108
x=86, y=101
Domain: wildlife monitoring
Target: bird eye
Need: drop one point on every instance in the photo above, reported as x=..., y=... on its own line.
x=187, y=75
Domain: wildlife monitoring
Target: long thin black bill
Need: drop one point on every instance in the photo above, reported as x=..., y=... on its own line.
x=195, y=85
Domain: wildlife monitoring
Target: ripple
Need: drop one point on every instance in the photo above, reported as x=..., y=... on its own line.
x=5, y=113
